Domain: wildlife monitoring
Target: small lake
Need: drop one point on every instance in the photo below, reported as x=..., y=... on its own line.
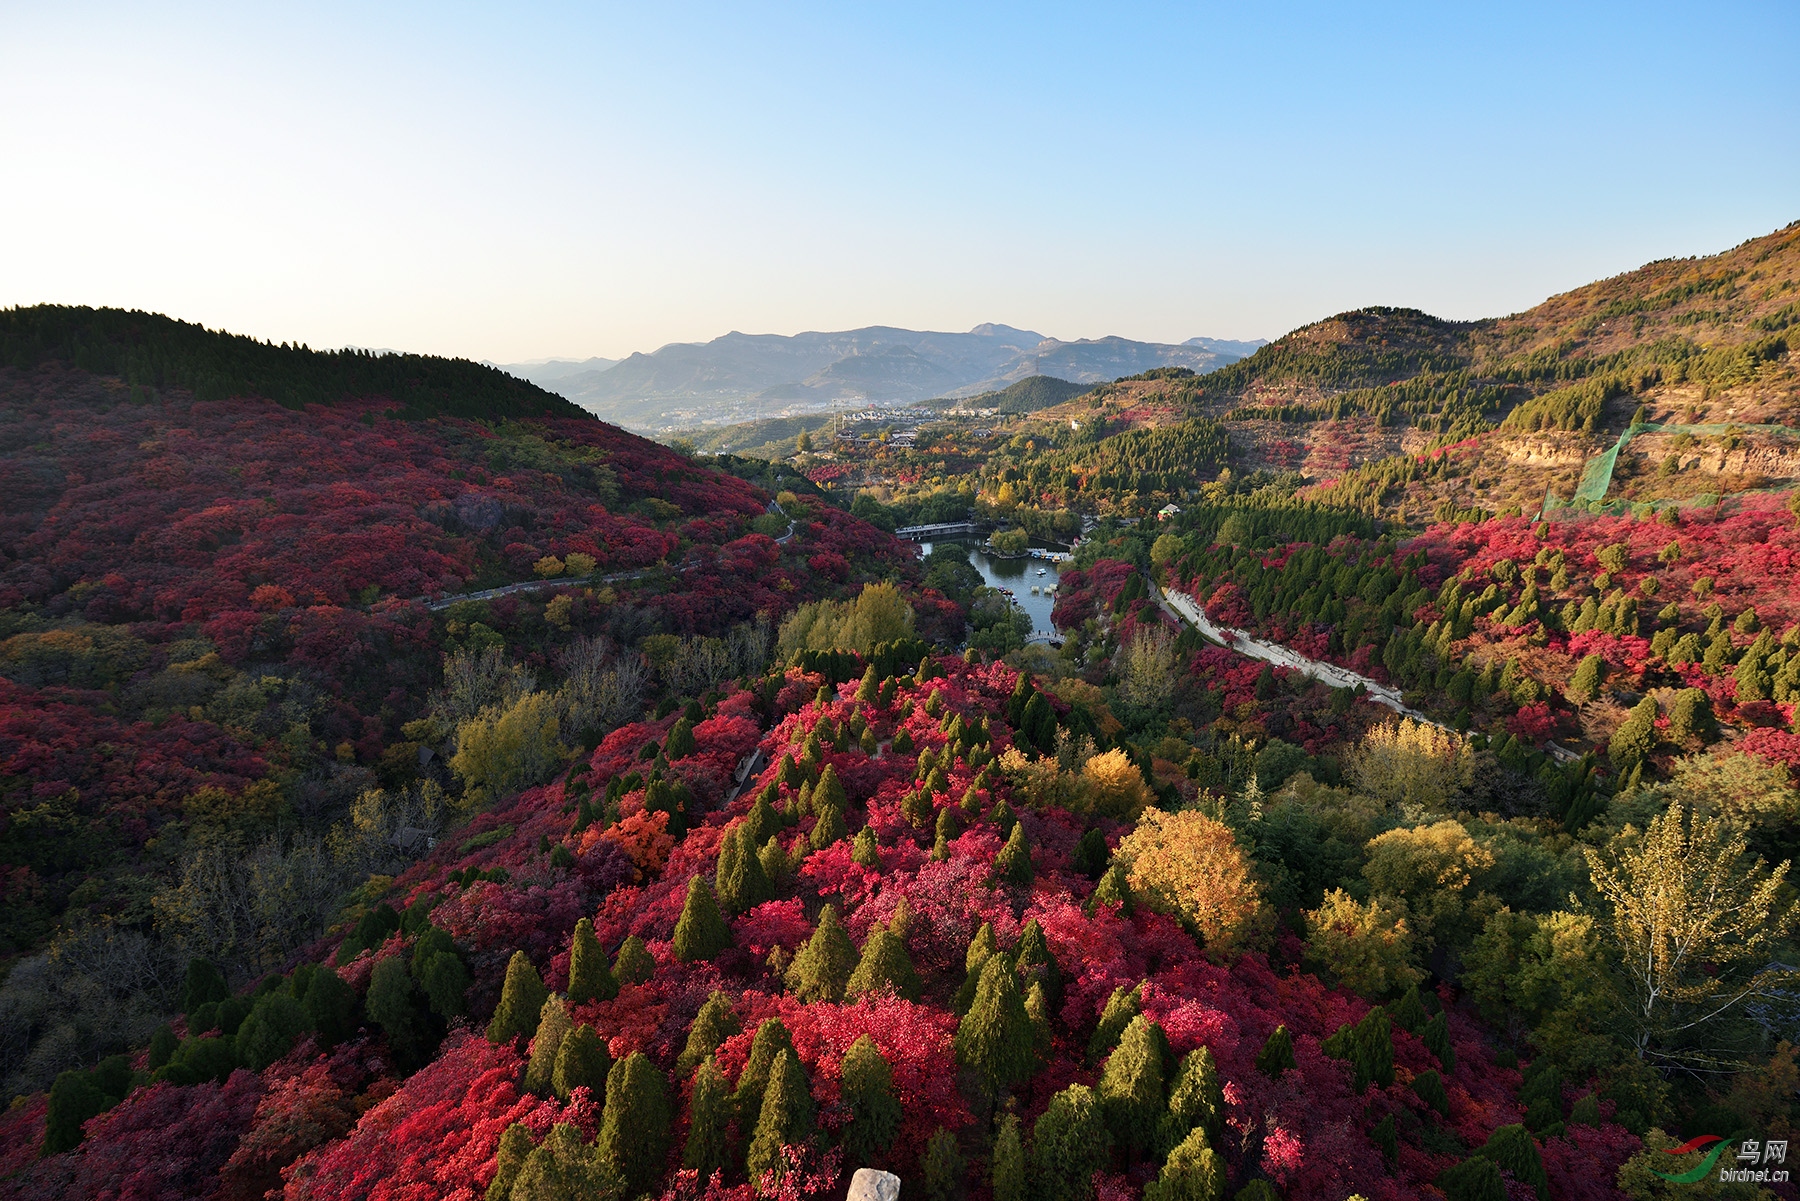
x=1019, y=576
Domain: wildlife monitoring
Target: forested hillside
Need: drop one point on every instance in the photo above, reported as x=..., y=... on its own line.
x=409, y=798
x=214, y=623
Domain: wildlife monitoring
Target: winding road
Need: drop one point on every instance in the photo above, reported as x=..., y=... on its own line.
x=444, y=602
x=1184, y=607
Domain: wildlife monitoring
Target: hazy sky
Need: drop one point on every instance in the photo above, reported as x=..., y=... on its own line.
x=511, y=182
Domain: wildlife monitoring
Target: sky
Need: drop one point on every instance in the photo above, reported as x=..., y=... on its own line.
x=526, y=181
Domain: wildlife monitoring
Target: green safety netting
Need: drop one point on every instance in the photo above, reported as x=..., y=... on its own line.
x=1596, y=476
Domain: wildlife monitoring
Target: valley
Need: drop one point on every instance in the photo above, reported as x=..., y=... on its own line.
x=414, y=785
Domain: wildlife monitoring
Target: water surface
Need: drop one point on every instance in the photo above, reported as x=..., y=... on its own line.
x=1019, y=576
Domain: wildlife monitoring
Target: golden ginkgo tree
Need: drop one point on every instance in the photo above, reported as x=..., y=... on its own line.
x=1693, y=924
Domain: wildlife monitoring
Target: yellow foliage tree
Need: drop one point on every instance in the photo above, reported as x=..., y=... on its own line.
x=502, y=750
x=1693, y=923
x=1368, y=948
x=1432, y=868
x=548, y=566
x=1412, y=763
x=1150, y=669
x=880, y=614
x=1116, y=786
x=1190, y=866
x=1746, y=791
x=577, y=563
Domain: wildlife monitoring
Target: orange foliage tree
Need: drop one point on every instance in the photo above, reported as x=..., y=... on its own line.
x=1190, y=866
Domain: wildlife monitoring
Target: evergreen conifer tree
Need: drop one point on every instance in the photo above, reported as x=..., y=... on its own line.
x=1408, y=1012
x=870, y=688
x=1474, y=1179
x=1369, y=1048
x=1069, y=1144
x=941, y=1167
x=1690, y=714
x=1120, y=1008
x=900, y=921
x=829, y=791
x=333, y=1011
x=1113, y=889
x=786, y=1119
x=1091, y=854
x=1277, y=1055
x=701, y=933
x=1265, y=683
x=515, y=1147
x=866, y=850
x=1512, y=1149
x=1131, y=1086
x=884, y=965
x=1636, y=736
x=553, y=1025
x=715, y=1023
x=829, y=828
x=522, y=998
x=1006, y=1169
x=981, y=948
x=1038, y=724
x=680, y=743
x=771, y=1039
x=1034, y=961
x=776, y=864
x=1021, y=696
x=1013, y=863
x=589, y=977
x=582, y=1061
x=760, y=824
x=564, y=1168
x=822, y=968
x=728, y=871
x=204, y=984
x=397, y=1007
x=634, y=963
x=74, y=1098
x=868, y=1093
x=1437, y=1041
x=741, y=881
x=993, y=1039
x=270, y=1030
x=164, y=1042
x=709, y=1116
x=1194, y=1172
x=634, y=1135
x=1386, y=1140
x=1430, y=1088
x=1001, y=814
x=947, y=825
x=1196, y=1101
x=1037, y=1012
x=1584, y=685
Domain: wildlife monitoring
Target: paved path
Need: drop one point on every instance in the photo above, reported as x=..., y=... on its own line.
x=1273, y=652
x=444, y=602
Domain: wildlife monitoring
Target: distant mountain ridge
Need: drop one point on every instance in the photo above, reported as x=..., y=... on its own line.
x=544, y=372
x=743, y=377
